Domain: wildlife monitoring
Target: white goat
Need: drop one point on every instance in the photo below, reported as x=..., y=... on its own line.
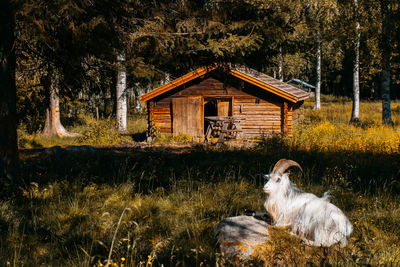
x=315, y=220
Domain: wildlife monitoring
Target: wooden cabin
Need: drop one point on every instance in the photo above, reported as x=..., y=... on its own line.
x=266, y=105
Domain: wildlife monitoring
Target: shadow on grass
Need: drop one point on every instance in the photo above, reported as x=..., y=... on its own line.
x=139, y=137
x=153, y=167
x=75, y=215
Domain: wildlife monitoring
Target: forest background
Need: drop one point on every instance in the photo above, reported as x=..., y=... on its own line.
x=75, y=48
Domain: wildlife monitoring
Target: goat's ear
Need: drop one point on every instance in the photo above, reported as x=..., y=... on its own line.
x=285, y=175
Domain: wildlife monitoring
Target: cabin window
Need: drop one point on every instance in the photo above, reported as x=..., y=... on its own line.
x=257, y=100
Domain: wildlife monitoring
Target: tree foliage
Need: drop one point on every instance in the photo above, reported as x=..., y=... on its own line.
x=168, y=38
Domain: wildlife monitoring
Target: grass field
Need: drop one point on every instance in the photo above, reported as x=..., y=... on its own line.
x=143, y=205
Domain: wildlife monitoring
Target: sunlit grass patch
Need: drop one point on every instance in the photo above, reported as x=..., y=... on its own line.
x=330, y=129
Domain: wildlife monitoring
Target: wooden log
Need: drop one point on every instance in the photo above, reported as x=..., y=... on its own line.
x=231, y=131
x=284, y=117
x=261, y=117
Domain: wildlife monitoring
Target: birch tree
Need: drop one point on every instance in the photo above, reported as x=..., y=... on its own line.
x=320, y=14
x=317, y=105
x=355, y=113
x=280, y=67
x=121, y=95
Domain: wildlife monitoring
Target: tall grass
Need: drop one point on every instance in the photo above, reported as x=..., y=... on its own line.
x=331, y=130
x=159, y=205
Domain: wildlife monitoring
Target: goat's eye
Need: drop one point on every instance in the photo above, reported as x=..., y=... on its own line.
x=278, y=180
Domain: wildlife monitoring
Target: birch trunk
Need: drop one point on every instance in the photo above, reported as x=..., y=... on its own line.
x=385, y=74
x=53, y=126
x=280, y=67
x=317, y=105
x=166, y=80
x=140, y=90
x=355, y=114
x=9, y=178
x=121, y=96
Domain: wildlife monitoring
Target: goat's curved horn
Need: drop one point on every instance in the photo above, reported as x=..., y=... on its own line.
x=282, y=165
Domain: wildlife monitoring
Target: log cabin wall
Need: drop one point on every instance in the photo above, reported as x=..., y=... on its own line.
x=297, y=107
x=265, y=113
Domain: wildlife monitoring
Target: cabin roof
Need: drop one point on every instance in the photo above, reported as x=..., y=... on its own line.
x=261, y=80
x=303, y=83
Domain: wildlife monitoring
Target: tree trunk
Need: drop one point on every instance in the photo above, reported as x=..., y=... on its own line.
x=53, y=126
x=355, y=114
x=280, y=67
x=9, y=178
x=317, y=105
x=139, y=90
x=385, y=74
x=122, y=99
x=166, y=80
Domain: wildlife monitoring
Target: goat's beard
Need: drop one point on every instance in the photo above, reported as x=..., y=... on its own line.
x=271, y=208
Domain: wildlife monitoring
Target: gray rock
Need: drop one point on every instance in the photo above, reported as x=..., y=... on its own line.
x=237, y=236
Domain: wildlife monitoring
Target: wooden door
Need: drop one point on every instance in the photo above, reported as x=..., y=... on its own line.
x=187, y=117
x=224, y=108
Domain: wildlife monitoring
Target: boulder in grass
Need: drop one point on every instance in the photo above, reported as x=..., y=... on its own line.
x=238, y=236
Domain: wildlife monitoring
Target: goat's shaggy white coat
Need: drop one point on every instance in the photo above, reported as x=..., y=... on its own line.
x=317, y=221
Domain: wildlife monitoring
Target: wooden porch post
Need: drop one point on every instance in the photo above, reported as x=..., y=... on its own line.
x=149, y=120
x=285, y=116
